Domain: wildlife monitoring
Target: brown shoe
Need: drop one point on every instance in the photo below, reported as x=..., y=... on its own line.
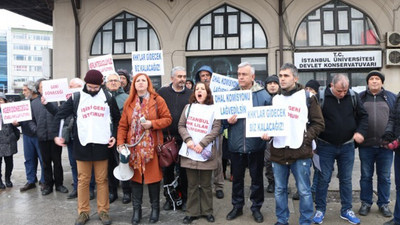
x=105, y=218
x=82, y=218
x=27, y=186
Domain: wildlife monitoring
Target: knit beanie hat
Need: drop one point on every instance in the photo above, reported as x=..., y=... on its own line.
x=376, y=73
x=313, y=84
x=272, y=78
x=94, y=77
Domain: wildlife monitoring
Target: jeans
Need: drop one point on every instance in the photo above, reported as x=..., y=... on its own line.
x=74, y=170
x=383, y=158
x=255, y=163
x=301, y=172
x=344, y=154
x=396, y=213
x=31, y=155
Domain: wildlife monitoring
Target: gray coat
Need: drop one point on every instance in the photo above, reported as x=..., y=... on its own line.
x=8, y=140
x=210, y=164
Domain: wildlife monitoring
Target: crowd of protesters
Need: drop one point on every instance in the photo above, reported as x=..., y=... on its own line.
x=331, y=123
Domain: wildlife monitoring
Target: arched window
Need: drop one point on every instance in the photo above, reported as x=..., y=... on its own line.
x=124, y=34
x=226, y=28
x=336, y=24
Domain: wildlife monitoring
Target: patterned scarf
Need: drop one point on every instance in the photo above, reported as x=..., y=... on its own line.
x=144, y=151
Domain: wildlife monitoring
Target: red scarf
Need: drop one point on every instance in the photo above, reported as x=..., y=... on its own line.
x=144, y=151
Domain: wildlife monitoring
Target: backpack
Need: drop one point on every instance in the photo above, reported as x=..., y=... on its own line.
x=352, y=95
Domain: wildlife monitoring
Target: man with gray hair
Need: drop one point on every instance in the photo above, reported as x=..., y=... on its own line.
x=31, y=143
x=346, y=123
x=247, y=152
x=113, y=85
x=176, y=96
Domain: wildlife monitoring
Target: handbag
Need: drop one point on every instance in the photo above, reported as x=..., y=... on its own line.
x=167, y=152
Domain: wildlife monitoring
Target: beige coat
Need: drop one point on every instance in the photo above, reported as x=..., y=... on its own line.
x=210, y=164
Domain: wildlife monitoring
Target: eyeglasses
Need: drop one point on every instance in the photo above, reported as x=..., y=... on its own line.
x=113, y=81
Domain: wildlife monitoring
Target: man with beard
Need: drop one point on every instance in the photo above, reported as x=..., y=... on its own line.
x=176, y=96
x=94, y=133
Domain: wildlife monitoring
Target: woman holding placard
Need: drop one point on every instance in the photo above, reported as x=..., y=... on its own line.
x=198, y=153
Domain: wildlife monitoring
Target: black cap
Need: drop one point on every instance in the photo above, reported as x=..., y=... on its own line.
x=272, y=78
x=313, y=84
x=376, y=73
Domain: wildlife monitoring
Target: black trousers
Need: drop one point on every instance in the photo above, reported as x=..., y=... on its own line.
x=112, y=163
x=52, y=167
x=9, y=161
x=255, y=163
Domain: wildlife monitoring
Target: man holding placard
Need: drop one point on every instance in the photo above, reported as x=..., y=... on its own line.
x=51, y=153
x=31, y=144
x=247, y=151
x=293, y=152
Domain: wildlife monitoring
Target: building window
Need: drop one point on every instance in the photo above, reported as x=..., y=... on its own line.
x=226, y=28
x=124, y=34
x=336, y=24
x=227, y=65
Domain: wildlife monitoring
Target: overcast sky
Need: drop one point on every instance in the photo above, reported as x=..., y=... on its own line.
x=10, y=19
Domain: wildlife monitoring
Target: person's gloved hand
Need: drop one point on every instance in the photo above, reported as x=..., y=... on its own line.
x=393, y=145
x=388, y=137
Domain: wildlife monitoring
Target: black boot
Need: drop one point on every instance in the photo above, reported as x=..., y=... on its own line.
x=2, y=186
x=154, y=193
x=137, y=194
x=8, y=182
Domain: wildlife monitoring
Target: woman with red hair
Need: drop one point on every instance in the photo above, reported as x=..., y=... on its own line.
x=145, y=112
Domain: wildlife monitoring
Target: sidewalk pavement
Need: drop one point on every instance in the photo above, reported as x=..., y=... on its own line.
x=31, y=207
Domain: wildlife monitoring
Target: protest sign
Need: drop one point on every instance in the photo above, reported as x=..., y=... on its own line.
x=198, y=124
x=148, y=62
x=55, y=90
x=19, y=111
x=266, y=119
x=220, y=83
x=229, y=103
x=71, y=91
x=104, y=64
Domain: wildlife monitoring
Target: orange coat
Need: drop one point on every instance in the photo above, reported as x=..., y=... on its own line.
x=160, y=119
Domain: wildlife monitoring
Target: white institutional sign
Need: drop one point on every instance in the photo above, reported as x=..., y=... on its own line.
x=337, y=60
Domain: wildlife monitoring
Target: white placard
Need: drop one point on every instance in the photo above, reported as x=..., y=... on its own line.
x=55, y=90
x=266, y=119
x=337, y=60
x=19, y=111
x=71, y=91
x=198, y=124
x=220, y=83
x=229, y=103
x=148, y=62
x=104, y=64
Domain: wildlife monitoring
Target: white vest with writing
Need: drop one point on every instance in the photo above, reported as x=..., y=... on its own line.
x=298, y=117
x=93, y=119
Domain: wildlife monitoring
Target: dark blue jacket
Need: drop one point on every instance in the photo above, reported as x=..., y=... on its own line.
x=378, y=107
x=237, y=141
